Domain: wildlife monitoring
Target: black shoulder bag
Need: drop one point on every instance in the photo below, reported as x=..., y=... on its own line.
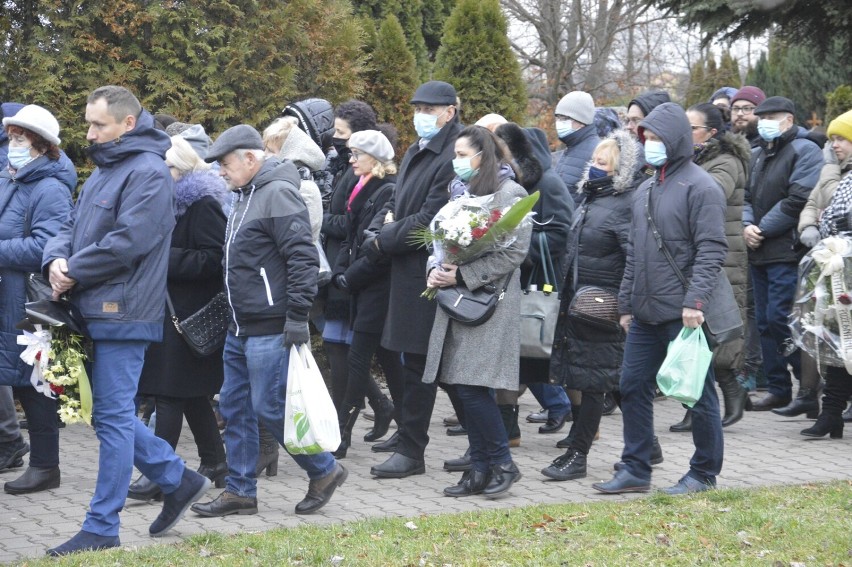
x=205, y=330
x=722, y=320
x=471, y=308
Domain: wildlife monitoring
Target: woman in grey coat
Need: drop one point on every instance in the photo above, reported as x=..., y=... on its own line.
x=476, y=360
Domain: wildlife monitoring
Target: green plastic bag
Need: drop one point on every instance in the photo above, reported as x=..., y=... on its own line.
x=684, y=370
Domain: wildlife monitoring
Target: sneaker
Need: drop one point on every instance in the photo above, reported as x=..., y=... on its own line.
x=689, y=485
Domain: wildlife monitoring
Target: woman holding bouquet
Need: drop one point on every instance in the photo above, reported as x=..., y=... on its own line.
x=35, y=197
x=471, y=359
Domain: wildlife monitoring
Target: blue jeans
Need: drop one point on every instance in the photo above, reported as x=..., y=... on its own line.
x=489, y=442
x=774, y=293
x=644, y=353
x=254, y=389
x=124, y=440
x=552, y=398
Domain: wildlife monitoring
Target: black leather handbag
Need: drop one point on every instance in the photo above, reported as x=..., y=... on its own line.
x=471, y=308
x=205, y=330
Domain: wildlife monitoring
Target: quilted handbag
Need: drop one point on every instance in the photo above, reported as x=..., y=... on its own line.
x=205, y=330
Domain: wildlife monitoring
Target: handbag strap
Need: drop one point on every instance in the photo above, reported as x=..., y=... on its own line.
x=577, y=226
x=175, y=320
x=661, y=246
x=546, y=262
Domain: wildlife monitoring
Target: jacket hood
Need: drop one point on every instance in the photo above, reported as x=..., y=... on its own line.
x=196, y=185
x=198, y=139
x=43, y=167
x=521, y=148
x=540, y=147
x=628, y=160
x=299, y=148
x=8, y=109
x=728, y=143
x=669, y=122
x=316, y=118
x=143, y=138
x=650, y=100
x=273, y=169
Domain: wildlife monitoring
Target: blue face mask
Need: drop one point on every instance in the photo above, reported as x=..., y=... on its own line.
x=769, y=129
x=655, y=153
x=19, y=157
x=564, y=128
x=597, y=173
x=463, y=169
x=426, y=125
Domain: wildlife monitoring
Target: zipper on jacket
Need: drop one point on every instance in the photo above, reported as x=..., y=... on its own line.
x=266, y=285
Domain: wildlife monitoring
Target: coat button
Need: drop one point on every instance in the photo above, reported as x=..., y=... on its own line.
x=483, y=277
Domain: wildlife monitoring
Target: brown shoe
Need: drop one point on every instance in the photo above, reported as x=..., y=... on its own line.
x=321, y=490
x=226, y=504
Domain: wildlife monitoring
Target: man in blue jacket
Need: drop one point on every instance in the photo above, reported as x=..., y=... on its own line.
x=688, y=210
x=111, y=257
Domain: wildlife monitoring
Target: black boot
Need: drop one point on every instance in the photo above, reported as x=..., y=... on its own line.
x=575, y=417
x=34, y=479
x=826, y=424
x=509, y=413
x=267, y=459
x=683, y=425
x=347, y=422
x=388, y=445
x=383, y=410
x=570, y=466
x=735, y=396
x=215, y=473
x=144, y=489
x=502, y=478
x=472, y=482
x=806, y=401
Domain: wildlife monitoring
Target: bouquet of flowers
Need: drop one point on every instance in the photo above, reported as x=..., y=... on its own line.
x=821, y=319
x=57, y=353
x=469, y=227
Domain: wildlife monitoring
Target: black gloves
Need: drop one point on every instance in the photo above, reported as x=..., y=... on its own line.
x=370, y=249
x=339, y=281
x=296, y=333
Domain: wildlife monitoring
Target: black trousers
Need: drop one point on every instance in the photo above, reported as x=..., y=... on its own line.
x=418, y=401
x=360, y=383
x=201, y=421
x=43, y=427
x=587, y=421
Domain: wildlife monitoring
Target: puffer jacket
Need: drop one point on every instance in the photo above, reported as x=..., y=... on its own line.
x=570, y=162
x=271, y=264
x=6, y=109
x=783, y=174
x=820, y=197
x=117, y=237
x=688, y=208
x=34, y=202
x=308, y=158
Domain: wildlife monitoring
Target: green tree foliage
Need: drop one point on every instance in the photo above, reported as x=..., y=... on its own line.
x=728, y=74
x=392, y=80
x=705, y=77
x=476, y=58
x=838, y=101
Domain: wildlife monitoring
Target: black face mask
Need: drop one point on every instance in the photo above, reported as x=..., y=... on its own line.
x=341, y=147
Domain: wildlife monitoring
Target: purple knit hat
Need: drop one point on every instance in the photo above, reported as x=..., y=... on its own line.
x=752, y=94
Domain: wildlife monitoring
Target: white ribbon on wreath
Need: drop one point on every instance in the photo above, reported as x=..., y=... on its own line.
x=36, y=355
x=831, y=261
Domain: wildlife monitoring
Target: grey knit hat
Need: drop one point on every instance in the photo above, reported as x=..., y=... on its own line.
x=578, y=105
x=240, y=137
x=36, y=119
x=373, y=143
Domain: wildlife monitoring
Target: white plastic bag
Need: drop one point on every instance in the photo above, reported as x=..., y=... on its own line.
x=310, y=420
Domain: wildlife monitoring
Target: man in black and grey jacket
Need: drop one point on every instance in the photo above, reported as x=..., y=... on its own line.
x=271, y=269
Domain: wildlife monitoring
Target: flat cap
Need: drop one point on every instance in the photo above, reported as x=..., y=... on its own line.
x=240, y=137
x=435, y=92
x=775, y=104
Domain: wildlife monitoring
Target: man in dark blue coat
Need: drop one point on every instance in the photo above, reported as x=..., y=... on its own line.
x=112, y=255
x=575, y=126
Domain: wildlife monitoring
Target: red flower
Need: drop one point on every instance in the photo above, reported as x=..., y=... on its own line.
x=845, y=299
x=38, y=355
x=478, y=232
x=495, y=216
x=58, y=390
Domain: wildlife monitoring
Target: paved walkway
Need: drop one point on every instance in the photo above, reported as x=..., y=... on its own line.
x=763, y=449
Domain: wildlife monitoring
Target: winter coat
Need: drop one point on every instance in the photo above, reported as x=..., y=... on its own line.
x=782, y=177
x=487, y=355
x=570, y=162
x=335, y=229
x=368, y=281
x=307, y=157
x=583, y=357
x=820, y=197
x=116, y=239
x=271, y=264
x=688, y=208
x=421, y=190
x=195, y=276
x=6, y=109
x=34, y=202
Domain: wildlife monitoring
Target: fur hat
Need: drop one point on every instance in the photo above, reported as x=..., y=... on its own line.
x=577, y=105
x=841, y=126
x=240, y=137
x=36, y=119
x=522, y=152
x=373, y=143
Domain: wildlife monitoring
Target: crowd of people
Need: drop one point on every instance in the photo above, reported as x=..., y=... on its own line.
x=171, y=219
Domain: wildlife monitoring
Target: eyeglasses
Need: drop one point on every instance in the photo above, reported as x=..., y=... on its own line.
x=634, y=120
x=742, y=109
x=694, y=128
x=355, y=155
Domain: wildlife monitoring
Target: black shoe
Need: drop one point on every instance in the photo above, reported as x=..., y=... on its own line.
x=456, y=430
x=570, y=466
x=192, y=487
x=502, y=478
x=538, y=417
x=825, y=425
x=622, y=482
x=683, y=425
x=387, y=446
x=609, y=405
x=847, y=415
x=321, y=490
x=34, y=480
x=565, y=443
x=451, y=421
x=384, y=416
x=84, y=541
x=656, y=455
x=143, y=489
x=398, y=466
x=226, y=504
x=472, y=482
x=554, y=424
x=216, y=474
x=459, y=465
x=805, y=402
x=770, y=402
x=11, y=452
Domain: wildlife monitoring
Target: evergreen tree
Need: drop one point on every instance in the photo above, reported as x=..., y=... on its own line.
x=696, y=85
x=838, y=101
x=477, y=59
x=728, y=74
x=392, y=80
